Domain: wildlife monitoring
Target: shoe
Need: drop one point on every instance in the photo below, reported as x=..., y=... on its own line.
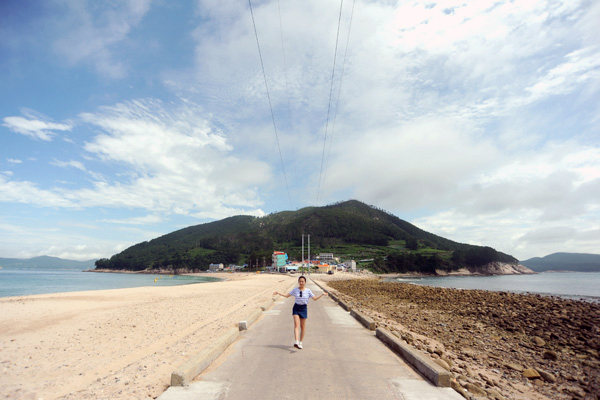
x=300, y=345
x=297, y=345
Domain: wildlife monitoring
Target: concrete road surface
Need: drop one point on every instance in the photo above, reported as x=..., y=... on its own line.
x=340, y=360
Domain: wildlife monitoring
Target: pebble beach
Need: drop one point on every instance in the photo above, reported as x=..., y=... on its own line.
x=498, y=345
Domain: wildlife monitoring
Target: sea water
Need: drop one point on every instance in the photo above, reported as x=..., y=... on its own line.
x=24, y=282
x=573, y=285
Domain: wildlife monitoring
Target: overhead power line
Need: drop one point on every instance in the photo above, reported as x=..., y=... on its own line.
x=270, y=105
x=329, y=104
x=287, y=94
x=339, y=93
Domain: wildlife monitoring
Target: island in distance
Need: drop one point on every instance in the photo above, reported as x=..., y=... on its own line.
x=45, y=262
x=577, y=262
x=351, y=230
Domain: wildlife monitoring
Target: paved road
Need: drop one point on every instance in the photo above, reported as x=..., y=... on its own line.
x=340, y=360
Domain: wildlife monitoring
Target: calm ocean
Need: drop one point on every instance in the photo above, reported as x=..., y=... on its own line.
x=573, y=285
x=23, y=282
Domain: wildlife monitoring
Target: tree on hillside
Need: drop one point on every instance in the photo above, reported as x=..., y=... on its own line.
x=412, y=244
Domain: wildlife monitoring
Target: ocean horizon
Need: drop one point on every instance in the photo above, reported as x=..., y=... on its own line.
x=33, y=281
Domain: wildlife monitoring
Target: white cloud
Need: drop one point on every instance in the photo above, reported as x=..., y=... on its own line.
x=170, y=159
x=14, y=161
x=422, y=162
x=145, y=220
x=73, y=164
x=174, y=159
x=29, y=193
x=581, y=66
x=94, y=29
x=35, y=128
x=67, y=238
x=539, y=203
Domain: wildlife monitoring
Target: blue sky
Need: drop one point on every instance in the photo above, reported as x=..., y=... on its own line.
x=121, y=121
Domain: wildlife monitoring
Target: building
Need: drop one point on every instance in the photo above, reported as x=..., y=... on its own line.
x=351, y=265
x=326, y=257
x=215, y=267
x=325, y=268
x=279, y=260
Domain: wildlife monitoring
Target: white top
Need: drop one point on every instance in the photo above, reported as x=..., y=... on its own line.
x=306, y=295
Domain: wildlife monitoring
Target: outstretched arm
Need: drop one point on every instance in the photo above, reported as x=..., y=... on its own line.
x=315, y=298
x=286, y=295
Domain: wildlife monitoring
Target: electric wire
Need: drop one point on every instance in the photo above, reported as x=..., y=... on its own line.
x=339, y=93
x=287, y=94
x=270, y=104
x=329, y=104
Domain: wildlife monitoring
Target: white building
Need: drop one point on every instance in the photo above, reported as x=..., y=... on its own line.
x=327, y=258
x=215, y=267
x=351, y=265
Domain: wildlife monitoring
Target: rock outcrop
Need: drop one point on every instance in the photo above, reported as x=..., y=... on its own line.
x=493, y=268
x=499, y=268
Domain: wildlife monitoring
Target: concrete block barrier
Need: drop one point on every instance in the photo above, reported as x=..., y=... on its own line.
x=266, y=305
x=344, y=305
x=193, y=367
x=425, y=365
x=317, y=283
x=250, y=319
x=363, y=319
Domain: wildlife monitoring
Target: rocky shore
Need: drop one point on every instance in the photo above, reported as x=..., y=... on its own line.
x=498, y=345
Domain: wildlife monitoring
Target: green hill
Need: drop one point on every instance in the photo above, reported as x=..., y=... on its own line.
x=579, y=262
x=350, y=230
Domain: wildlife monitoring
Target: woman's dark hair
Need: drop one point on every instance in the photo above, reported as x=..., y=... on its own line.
x=302, y=277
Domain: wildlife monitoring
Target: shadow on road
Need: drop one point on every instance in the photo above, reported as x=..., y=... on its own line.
x=283, y=347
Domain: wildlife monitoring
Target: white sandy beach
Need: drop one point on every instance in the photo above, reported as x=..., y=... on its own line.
x=118, y=344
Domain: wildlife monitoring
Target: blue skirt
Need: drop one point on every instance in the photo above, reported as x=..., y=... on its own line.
x=300, y=310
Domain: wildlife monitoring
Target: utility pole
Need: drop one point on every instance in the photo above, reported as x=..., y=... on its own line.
x=303, y=253
x=309, y=254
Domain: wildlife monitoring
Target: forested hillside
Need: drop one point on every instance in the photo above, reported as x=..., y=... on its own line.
x=350, y=230
x=579, y=262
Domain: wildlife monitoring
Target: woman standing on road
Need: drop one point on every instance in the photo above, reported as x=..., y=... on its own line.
x=300, y=312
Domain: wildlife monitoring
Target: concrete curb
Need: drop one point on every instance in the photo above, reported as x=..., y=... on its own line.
x=331, y=295
x=426, y=366
x=334, y=297
x=345, y=306
x=193, y=367
x=317, y=283
x=266, y=305
x=363, y=319
x=245, y=324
